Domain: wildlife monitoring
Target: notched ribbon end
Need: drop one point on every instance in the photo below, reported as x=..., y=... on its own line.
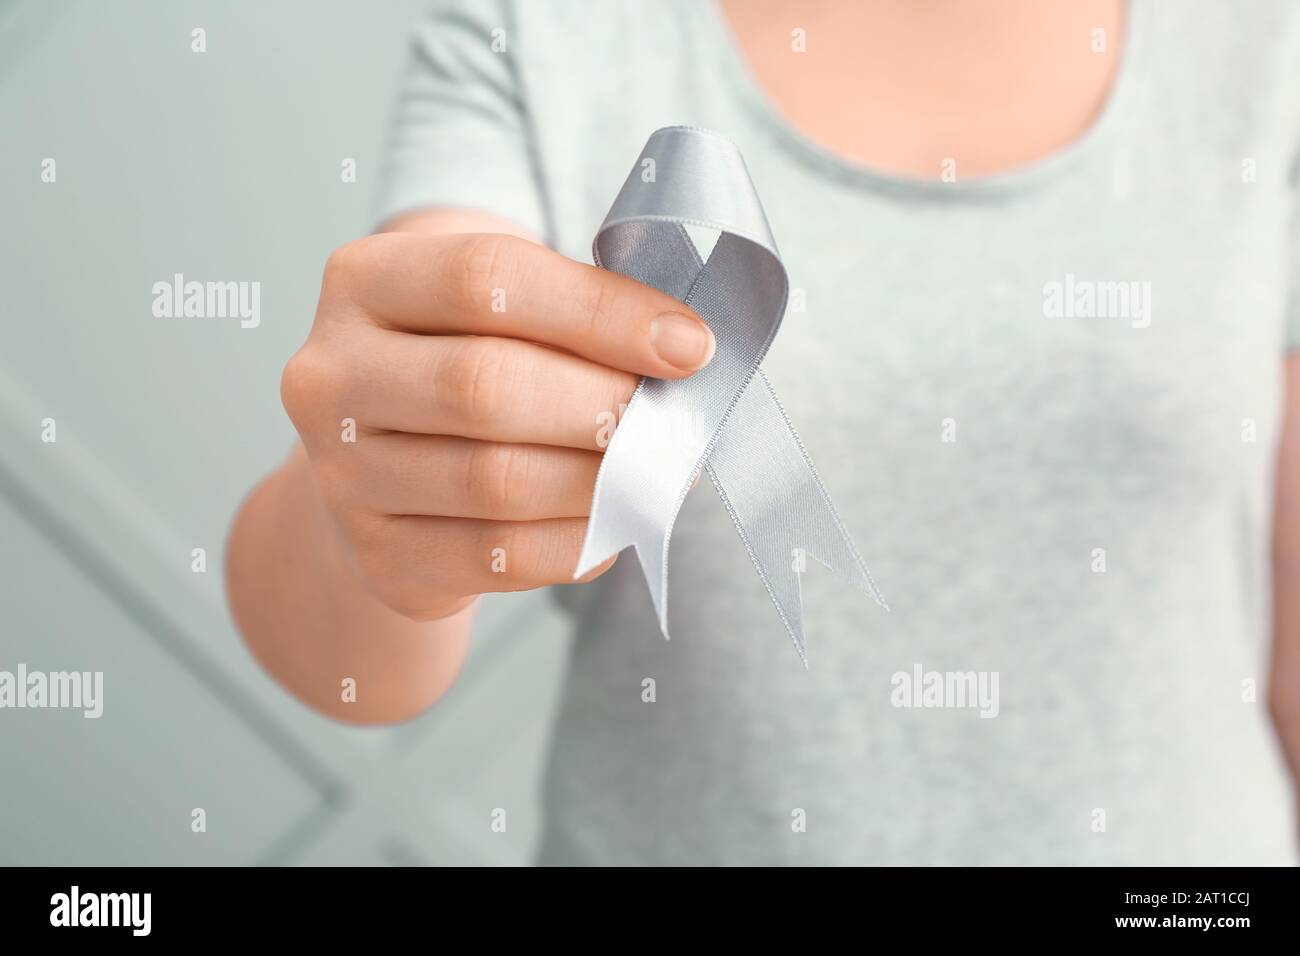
x=597, y=548
x=874, y=591
x=802, y=650
x=653, y=568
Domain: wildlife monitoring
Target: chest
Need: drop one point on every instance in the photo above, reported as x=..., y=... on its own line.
x=1083, y=337
x=928, y=90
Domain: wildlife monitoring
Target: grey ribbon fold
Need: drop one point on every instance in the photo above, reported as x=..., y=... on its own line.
x=725, y=418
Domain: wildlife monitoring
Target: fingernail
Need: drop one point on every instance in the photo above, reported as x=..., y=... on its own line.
x=681, y=341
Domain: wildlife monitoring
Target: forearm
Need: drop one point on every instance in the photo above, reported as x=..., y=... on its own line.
x=309, y=620
x=304, y=611
x=1284, y=679
x=1284, y=683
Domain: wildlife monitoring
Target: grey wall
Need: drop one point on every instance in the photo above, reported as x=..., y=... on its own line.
x=223, y=165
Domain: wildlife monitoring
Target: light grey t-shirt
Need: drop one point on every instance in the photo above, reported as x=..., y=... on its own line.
x=1045, y=403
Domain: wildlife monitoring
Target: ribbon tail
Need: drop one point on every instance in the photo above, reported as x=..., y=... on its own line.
x=605, y=539
x=779, y=506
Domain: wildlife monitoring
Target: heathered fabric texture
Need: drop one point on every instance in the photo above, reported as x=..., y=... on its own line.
x=1049, y=482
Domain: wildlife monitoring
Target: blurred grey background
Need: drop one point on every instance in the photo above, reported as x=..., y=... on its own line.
x=224, y=165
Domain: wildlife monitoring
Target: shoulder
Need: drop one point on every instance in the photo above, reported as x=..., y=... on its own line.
x=1225, y=74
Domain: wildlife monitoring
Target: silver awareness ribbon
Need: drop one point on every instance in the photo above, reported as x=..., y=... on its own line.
x=725, y=418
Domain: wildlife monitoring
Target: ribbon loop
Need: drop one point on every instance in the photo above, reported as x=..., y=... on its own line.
x=720, y=419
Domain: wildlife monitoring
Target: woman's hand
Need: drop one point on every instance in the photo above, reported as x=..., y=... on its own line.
x=451, y=397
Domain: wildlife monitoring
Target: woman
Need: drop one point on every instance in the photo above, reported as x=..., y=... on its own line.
x=1041, y=348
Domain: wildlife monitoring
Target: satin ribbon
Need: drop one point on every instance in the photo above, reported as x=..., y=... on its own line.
x=725, y=418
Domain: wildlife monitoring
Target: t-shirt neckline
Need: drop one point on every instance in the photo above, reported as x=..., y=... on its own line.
x=1124, y=90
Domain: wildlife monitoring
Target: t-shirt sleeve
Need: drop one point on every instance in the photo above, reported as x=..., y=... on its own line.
x=460, y=133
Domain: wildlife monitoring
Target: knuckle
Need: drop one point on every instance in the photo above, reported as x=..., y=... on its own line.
x=307, y=378
x=474, y=382
x=483, y=263
x=497, y=478
x=345, y=263
x=598, y=302
x=350, y=266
